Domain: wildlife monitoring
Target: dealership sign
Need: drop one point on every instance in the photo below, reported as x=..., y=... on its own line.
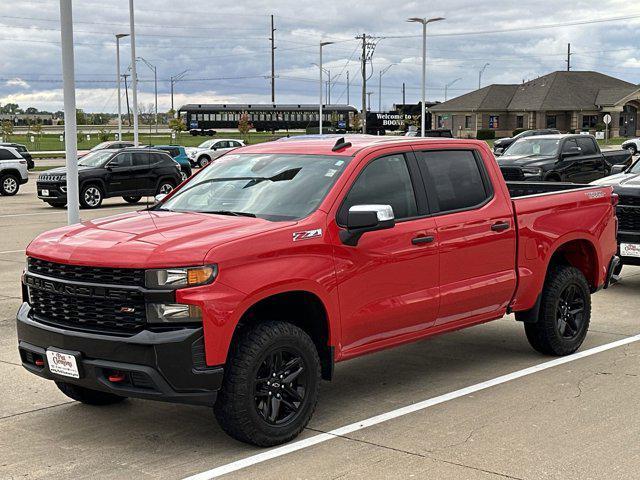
x=391, y=119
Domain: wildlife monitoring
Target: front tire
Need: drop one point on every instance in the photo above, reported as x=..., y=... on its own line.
x=88, y=396
x=565, y=313
x=91, y=196
x=203, y=161
x=270, y=388
x=9, y=184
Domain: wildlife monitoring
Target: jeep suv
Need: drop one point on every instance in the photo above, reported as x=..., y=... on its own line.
x=130, y=173
x=13, y=171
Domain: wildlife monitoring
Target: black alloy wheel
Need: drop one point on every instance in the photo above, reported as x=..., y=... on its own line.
x=570, y=312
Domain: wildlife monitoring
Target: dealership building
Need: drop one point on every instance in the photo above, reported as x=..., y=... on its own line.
x=569, y=101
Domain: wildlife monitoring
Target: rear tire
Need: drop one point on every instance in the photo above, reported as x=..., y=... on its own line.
x=257, y=404
x=565, y=313
x=165, y=187
x=9, y=184
x=132, y=199
x=88, y=396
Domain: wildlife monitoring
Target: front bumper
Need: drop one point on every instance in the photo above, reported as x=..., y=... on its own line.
x=167, y=365
x=55, y=192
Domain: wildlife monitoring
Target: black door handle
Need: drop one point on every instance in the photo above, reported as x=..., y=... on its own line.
x=500, y=226
x=422, y=239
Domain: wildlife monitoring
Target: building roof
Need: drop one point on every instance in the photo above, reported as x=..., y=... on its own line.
x=555, y=91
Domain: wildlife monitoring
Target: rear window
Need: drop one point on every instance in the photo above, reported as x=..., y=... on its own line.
x=587, y=145
x=455, y=179
x=6, y=154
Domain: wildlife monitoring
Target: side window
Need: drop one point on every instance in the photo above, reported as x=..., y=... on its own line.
x=174, y=152
x=121, y=160
x=568, y=145
x=6, y=154
x=143, y=159
x=455, y=179
x=384, y=181
x=587, y=145
x=222, y=144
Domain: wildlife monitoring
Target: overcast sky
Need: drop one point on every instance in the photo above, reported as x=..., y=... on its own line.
x=225, y=48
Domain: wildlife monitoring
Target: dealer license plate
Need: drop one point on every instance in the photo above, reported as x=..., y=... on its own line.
x=630, y=249
x=62, y=364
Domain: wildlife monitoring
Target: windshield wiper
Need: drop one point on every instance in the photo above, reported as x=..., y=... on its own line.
x=230, y=212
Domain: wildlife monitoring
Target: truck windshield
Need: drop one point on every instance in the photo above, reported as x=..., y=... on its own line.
x=95, y=159
x=530, y=146
x=274, y=187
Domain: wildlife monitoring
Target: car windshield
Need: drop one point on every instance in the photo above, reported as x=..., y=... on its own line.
x=635, y=168
x=95, y=159
x=274, y=187
x=530, y=146
x=206, y=144
x=100, y=146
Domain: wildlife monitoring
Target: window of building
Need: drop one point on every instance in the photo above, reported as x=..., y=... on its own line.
x=455, y=177
x=552, y=121
x=467, y=121
x=385, y=181
x=589, y=121
x=494, y=121
x=519, y=121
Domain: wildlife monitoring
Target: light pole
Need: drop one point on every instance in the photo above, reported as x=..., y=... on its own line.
x=69, y=92
x=382, y=72
x=320, y=69
x=134, y=74
x=175, y=79
x=424, y=23
x=446, y=87
x=480, y=75
x=155, y=82
x=118, y=37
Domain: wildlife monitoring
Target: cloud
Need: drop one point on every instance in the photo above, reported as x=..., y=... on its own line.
x=16, y=82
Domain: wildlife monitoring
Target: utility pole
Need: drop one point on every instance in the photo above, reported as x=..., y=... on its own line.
x=70, y=130
x=273, y=63
x=404, y=100
x=347, y=87
x=134, y=74
x=368, y=47
x=175, y=79
x=126, y=94
x=568, y=57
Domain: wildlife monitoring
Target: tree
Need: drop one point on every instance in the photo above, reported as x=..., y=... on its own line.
x=37, y=131
x=175, y=123
x=9, y=108
x=103, y=134
x=356, y=123
x=244, y=125
x=31, y=111
x=7, y=129
x=81, y=117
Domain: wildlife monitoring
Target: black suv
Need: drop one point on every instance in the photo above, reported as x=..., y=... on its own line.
x=130, y=173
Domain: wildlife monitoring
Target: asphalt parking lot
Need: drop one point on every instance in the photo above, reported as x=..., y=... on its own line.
x=574, y=420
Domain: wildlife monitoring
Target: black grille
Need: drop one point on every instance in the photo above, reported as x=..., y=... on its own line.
x=628, y=200
x=78, y=273
x=88, y=313
x=628, y=218
x=512, y=173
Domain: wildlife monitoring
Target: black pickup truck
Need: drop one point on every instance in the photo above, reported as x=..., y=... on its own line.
x=559, y=158
x=626, y=183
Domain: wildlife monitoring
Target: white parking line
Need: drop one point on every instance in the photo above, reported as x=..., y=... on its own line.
x=342, y=431
x=13, y=251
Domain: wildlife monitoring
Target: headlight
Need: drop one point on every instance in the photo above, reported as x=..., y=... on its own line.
x=175, y=278
x=173, y=312
x=532, y=171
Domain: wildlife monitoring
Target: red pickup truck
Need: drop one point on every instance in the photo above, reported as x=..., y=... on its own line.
x=242, y=288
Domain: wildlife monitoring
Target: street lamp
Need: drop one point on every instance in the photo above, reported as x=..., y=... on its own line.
x=446, y=87
x=480, y=75
x=382, y=72
x=118, y=37
x=155, y=81
x=320, y=69
x=424, y=22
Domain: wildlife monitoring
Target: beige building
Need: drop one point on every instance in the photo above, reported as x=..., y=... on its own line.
x=568, y=101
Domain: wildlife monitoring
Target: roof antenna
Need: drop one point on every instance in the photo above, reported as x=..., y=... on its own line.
x=340, y=144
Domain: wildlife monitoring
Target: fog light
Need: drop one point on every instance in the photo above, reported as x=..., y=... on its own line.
x=173, y=313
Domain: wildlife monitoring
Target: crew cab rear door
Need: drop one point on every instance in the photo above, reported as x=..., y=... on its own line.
x=388, y=282
x=476, y=234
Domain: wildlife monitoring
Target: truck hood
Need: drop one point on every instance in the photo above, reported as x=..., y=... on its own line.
x=525, y=161
x=620, y=180
x=146, y=239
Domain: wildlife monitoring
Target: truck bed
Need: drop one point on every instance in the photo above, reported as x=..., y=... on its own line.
x=525, y=189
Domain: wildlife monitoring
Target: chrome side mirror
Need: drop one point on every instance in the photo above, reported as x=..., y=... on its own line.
x=366, y=218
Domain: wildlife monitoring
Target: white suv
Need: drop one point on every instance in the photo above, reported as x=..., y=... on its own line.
x=13, y=171
x=209, y=150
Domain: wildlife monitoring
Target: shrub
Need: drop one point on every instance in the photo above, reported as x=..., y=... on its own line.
x=600, y=127
x=486, y=134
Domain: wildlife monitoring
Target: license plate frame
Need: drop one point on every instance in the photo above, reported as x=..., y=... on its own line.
x=630, y=250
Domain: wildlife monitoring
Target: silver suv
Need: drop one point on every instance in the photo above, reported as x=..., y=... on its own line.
x=13, y=171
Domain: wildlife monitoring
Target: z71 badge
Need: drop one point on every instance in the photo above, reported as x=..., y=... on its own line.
x=307, y=234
